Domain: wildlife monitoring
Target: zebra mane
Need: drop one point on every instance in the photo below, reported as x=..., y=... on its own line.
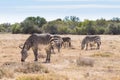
x=27, y=44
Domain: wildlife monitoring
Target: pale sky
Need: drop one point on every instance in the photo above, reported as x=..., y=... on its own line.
x=12, y=11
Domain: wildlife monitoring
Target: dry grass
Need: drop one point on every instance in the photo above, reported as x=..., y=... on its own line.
x=32, y=68
x=63, y=65
x=8, y=69
x=52, y=76
x=103, y=54
x=7, y=73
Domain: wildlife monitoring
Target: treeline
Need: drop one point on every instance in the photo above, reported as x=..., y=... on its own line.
x=69, y=25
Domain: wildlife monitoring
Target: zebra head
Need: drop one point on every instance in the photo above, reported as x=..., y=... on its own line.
x=23, y=53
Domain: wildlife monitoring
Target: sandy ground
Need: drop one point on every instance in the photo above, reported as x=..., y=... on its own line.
x=64, y=63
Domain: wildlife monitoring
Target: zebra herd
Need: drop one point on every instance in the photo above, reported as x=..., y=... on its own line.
x=54, y=41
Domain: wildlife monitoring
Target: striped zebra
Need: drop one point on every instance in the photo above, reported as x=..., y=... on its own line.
x=57, y=42
x=89, y=40
x=66, y=41
x=32, y=42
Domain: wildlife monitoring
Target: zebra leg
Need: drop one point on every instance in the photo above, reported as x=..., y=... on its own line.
x=64, y=43
x=98, y=45
x=87, y=46
x=58, y=47
x=82, y=44
x=91, y=46
x=52, y=50
x=48, y=57
x=69, y=44
x=35, y=50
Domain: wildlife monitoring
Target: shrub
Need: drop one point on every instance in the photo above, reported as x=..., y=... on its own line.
x=85, y=61
x=32, y=68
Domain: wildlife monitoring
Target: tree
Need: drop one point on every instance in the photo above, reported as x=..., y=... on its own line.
x=50, y=28
x=2, y=29
x=33, y=24
x=40, y=21
x=5, y=27
x=71, y=18
x=101, y=22
x=113, y=29
x=115, y=19
x=56, y=27
x=88, y=27
x=72, y=21
x=16, y=28
x=100, y=30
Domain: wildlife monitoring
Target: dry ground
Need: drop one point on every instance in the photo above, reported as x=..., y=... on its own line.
x=106, y=66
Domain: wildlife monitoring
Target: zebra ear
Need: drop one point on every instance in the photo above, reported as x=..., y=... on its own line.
x=21, y=46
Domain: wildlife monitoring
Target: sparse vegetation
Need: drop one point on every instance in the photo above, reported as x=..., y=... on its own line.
x=32, y=68
x=8, y=69
x=103, y=54
x=52, y=76
x=106, y=64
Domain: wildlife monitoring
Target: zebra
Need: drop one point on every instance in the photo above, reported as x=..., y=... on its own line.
x=32, y=42
x=66, y=41
x=89, y=40
x=62, y=41
x=57, y=42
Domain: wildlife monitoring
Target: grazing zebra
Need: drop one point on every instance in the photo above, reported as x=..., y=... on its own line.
x=32, y=42
x=89, y=39
x=66, y=41
x=57, y=42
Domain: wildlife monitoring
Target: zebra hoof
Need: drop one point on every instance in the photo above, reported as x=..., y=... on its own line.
x=47, y=62
x=35, y=60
